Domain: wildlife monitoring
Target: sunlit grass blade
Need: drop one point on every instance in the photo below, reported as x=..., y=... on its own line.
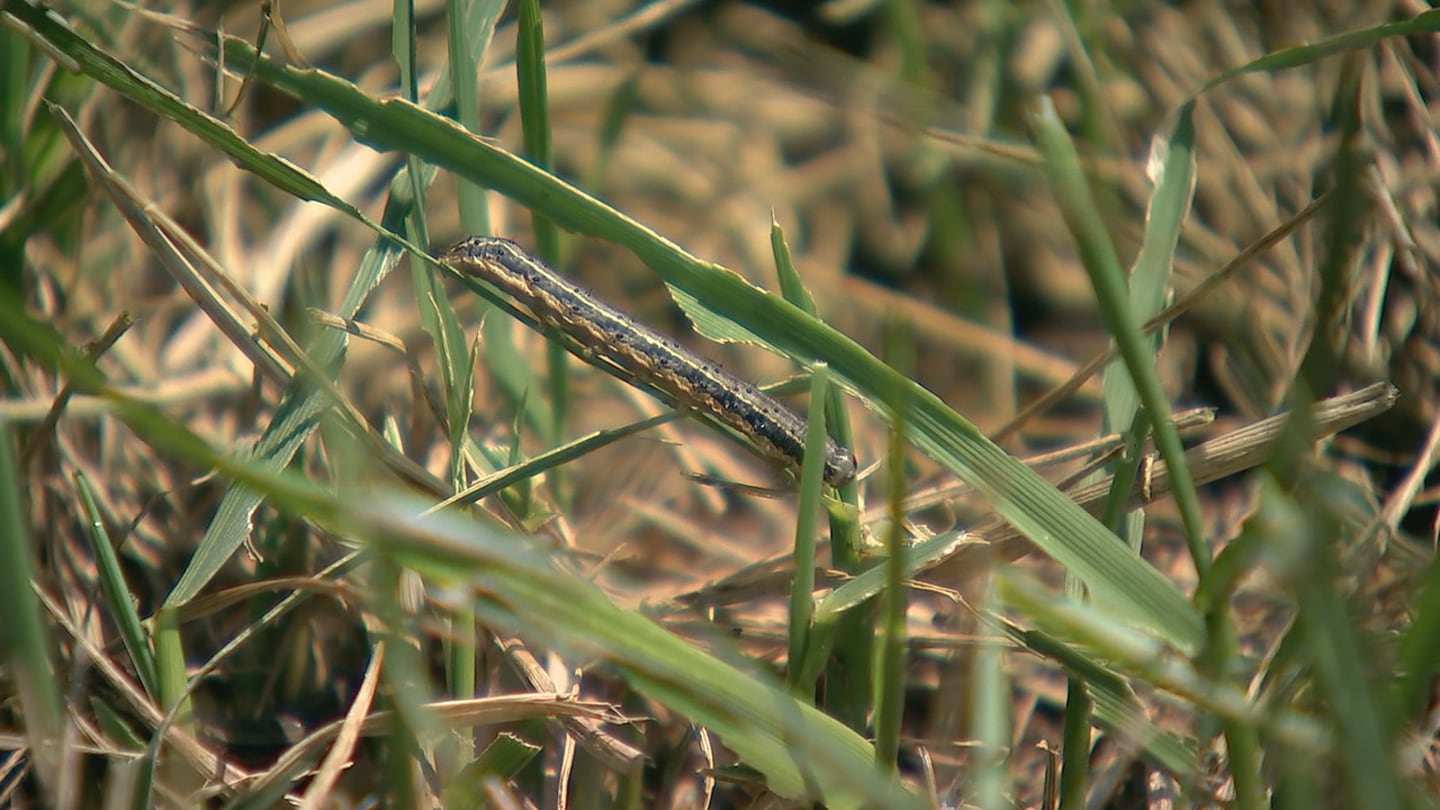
x=471, y=26
x=851, y=637
x=990, y=691
x=807, y=523
x=1171, y=167
x=1101, y=262
x=534, y=95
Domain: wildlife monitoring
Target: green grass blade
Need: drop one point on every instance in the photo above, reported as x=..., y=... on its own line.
x=1427, y=22
x=534, y=94
x=1086, y=625
x=807, y=523
x=1172, y=166
x=866, y=585
x=990, y=692
x=117, y=592
x=24, y=643
x=1097, y=252
x=845, y=540
x=891, y=653
x=170, y=667
x=502, y=759
x=848, y=695
x=471, y=25
x=535, y=113
x=1116, y=707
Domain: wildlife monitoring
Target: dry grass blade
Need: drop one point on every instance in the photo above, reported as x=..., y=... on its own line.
x=954, y=556
x=450, y=714
x=339, y=755
x=1218, y=458
x=606, y=747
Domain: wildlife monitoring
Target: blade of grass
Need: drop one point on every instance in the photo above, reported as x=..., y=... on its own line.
x=534, y=97
x=802, y=589
x=457, y=380
x=550, y=459
x=847, y=673
x=990, y=698
x=117, y=592
x=1171, y=167
x=24, y=643
x=501, y=759
x=1172, y=172
x=1426, y=22
x=457, y=369
x=1067, y=180
x=845, y=540
x=891, y=653
x=1116, y=707
x=471, y=26
x=1075, y=743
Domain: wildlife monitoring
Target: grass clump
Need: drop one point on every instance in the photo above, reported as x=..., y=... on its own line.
x=281, y=527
